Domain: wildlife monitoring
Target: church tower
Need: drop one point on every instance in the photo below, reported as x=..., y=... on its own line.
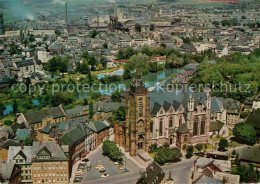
x=137, y=126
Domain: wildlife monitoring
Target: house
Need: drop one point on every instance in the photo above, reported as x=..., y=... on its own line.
x=221, y=50
x=101, y=131
x=26, y=66
x=22, y=156
x=49, y=163
x=233, y=111
x=28, y=52
x=207, y=169
x=54, y=131
x=77, y=111
x=250, y=155
x=76, y=143
x=242, y=50
x=218, y=129
x=10, y=173
x=38, y=119
x=104, y=110
x=207, y=180
x=188, y=48
x=153, y=174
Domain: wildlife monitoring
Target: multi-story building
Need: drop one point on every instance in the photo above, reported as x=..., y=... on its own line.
x=101, y=131
x=39, y=119
x=49, y=163
x=233, y=111
x=21, y=156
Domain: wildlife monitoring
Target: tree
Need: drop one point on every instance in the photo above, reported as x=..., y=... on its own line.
x=151, y=27
x=93, y=62
x=57, y=32
x=8, y=122
x=91, y=110
x=205, y=146
x=112, y=151
x=166, y=154
x=120, y=54
x=116, y=96
x=2, y=108
x=153, y=148
x=105, y=46
x=85, y=101
x=94, y=33
x=234, y=153
x=223, y=144
x=85, y=55
x=189, y=150
x=245, y=132
x=216, y=23
x=15, y=107
x=28, y=141
x=244, y=17
x=57, y=64
x=103, y=62
x=120, y=114
x=199, y=147
x=127, y=74
x=138, y=27
x=84, y=68
x=186, y=40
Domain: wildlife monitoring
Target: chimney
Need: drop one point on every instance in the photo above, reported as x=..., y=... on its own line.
x=22, y=146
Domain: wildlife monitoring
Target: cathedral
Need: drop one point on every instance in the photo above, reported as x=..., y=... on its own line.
x=176, y=118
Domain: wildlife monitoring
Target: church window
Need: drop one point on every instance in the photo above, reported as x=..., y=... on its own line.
x=195, y=128
x=161, y=127
x=202, y=127
x=140, y=106
x=180, y=121
x=151, y=127
x=170, y=122
x=204, y=109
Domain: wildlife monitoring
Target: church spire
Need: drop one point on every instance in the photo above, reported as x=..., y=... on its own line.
x=138, y=85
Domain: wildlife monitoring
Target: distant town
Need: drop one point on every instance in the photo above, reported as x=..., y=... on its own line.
x=134, y=92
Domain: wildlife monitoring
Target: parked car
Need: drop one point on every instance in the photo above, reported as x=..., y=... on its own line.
x=122, y=167
x=99, y=166
x=77, y=179
x=104, y=175
x=78, y=173
x=101, y=170
x=116, y=163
